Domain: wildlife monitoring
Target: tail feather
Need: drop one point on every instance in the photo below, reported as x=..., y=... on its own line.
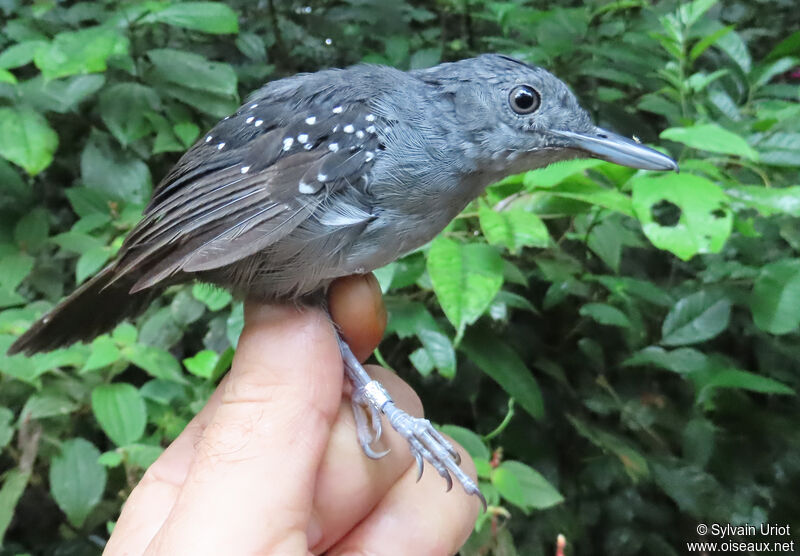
x=94, y=308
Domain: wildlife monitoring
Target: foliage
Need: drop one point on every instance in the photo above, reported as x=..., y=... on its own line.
x=611, y=342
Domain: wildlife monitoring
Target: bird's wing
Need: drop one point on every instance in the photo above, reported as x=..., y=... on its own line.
x=249, y=182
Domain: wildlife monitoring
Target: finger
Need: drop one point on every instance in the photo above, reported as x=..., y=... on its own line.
x=249, y=487
x=416, y=518
x=151, y=501
x=356, y=305
x=346, y=474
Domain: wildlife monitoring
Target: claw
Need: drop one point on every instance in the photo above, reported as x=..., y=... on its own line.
x=420, y=465
x=449, y=480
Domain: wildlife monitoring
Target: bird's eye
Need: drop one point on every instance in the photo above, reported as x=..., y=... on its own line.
x=524, y=99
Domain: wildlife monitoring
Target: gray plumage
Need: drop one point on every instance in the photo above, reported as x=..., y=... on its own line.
x=327, y=174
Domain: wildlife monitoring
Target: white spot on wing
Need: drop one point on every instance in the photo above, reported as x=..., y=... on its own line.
x=370, y=155
x=311, y=120
x=221, y=146
x=208, y=138
x=303, y=187
x=250, y=120
x=333, y=147
x=360, y=134
x=287, y=143
x=253, y=106
x=370, y=117
x=245, y=169
x=337, y=109
x=348, y=128
x=258, y=123
x=371, y=129
x=302, y=138
x=322, y=177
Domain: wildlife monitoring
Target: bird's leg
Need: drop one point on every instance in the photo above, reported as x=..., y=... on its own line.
x=425, y=442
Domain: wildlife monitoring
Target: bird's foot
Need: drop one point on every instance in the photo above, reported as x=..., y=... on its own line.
x=370, y=399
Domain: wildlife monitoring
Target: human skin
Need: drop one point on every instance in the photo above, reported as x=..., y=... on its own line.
x=271, y=465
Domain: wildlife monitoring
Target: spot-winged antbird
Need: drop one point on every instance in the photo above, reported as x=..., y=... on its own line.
x=334, y=173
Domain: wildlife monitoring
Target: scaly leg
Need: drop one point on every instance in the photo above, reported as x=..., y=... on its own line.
x=425, y=442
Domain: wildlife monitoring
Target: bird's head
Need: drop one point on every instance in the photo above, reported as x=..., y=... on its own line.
x=522, y=117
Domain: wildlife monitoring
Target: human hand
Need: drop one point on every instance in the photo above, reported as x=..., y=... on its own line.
x=271, y=465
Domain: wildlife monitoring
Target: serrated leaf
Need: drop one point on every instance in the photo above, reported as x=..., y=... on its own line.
x=705, y=221
x=77, y=480
x=695, y=318
x=711, y=137
x=465, y=277
x=202, y=363
x=26, y=139
x=157, y=362
x=124, y=108
x=513, y=228
x=207, y=17
x=213, y=297
x=76, y=52
x=121, y=412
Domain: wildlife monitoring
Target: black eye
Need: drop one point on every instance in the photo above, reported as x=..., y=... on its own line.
x=524, y=99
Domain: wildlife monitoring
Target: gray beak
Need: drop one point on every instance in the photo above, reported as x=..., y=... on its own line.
x=609, y=146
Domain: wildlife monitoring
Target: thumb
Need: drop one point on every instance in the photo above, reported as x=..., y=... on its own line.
x=250, y=486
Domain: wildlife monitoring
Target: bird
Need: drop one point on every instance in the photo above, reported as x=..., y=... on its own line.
x=323, y=175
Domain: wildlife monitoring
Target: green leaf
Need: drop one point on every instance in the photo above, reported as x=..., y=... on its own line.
x=14, y=267
x=513, y=228
x=502, y=364
x=711, y=137
x=524, y=487
x=76, y=52
x=682, y=360
x=13, y=486
x=121, y=412
x=745, y=380
x=590, y=192
x=77, y=480
x=124, y=107
x=695, y=318
x=185, y=308
x=19, y=54
x=121, y=175
x=465, y=277
x=142, y=455
x=775, y=298
x=202, y=364
x=59, y=95
x=26, y=139
x=470, y=441
x=190, y=78
x=208, y=17
x=707, y=41
x=90, y=262
x=215, y=298
x=440, y=350
x=32, y=230
x=556, y=173
x=6, y=428
x=733, y=45
x=705, y=221
x=157, y=362
x=103, y=353
x=605, y=314
x=768, y=200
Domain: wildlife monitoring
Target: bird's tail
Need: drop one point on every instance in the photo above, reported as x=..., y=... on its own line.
x=94, y=308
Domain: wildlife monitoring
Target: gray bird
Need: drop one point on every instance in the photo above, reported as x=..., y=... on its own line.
x=333, y=173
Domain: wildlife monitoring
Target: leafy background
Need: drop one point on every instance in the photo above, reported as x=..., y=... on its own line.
x=619, y=349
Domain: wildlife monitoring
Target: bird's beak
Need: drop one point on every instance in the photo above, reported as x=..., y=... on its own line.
x=609, y=146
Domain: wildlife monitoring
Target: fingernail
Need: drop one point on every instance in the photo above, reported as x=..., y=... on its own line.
x=313, y=531
x=377, y=299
